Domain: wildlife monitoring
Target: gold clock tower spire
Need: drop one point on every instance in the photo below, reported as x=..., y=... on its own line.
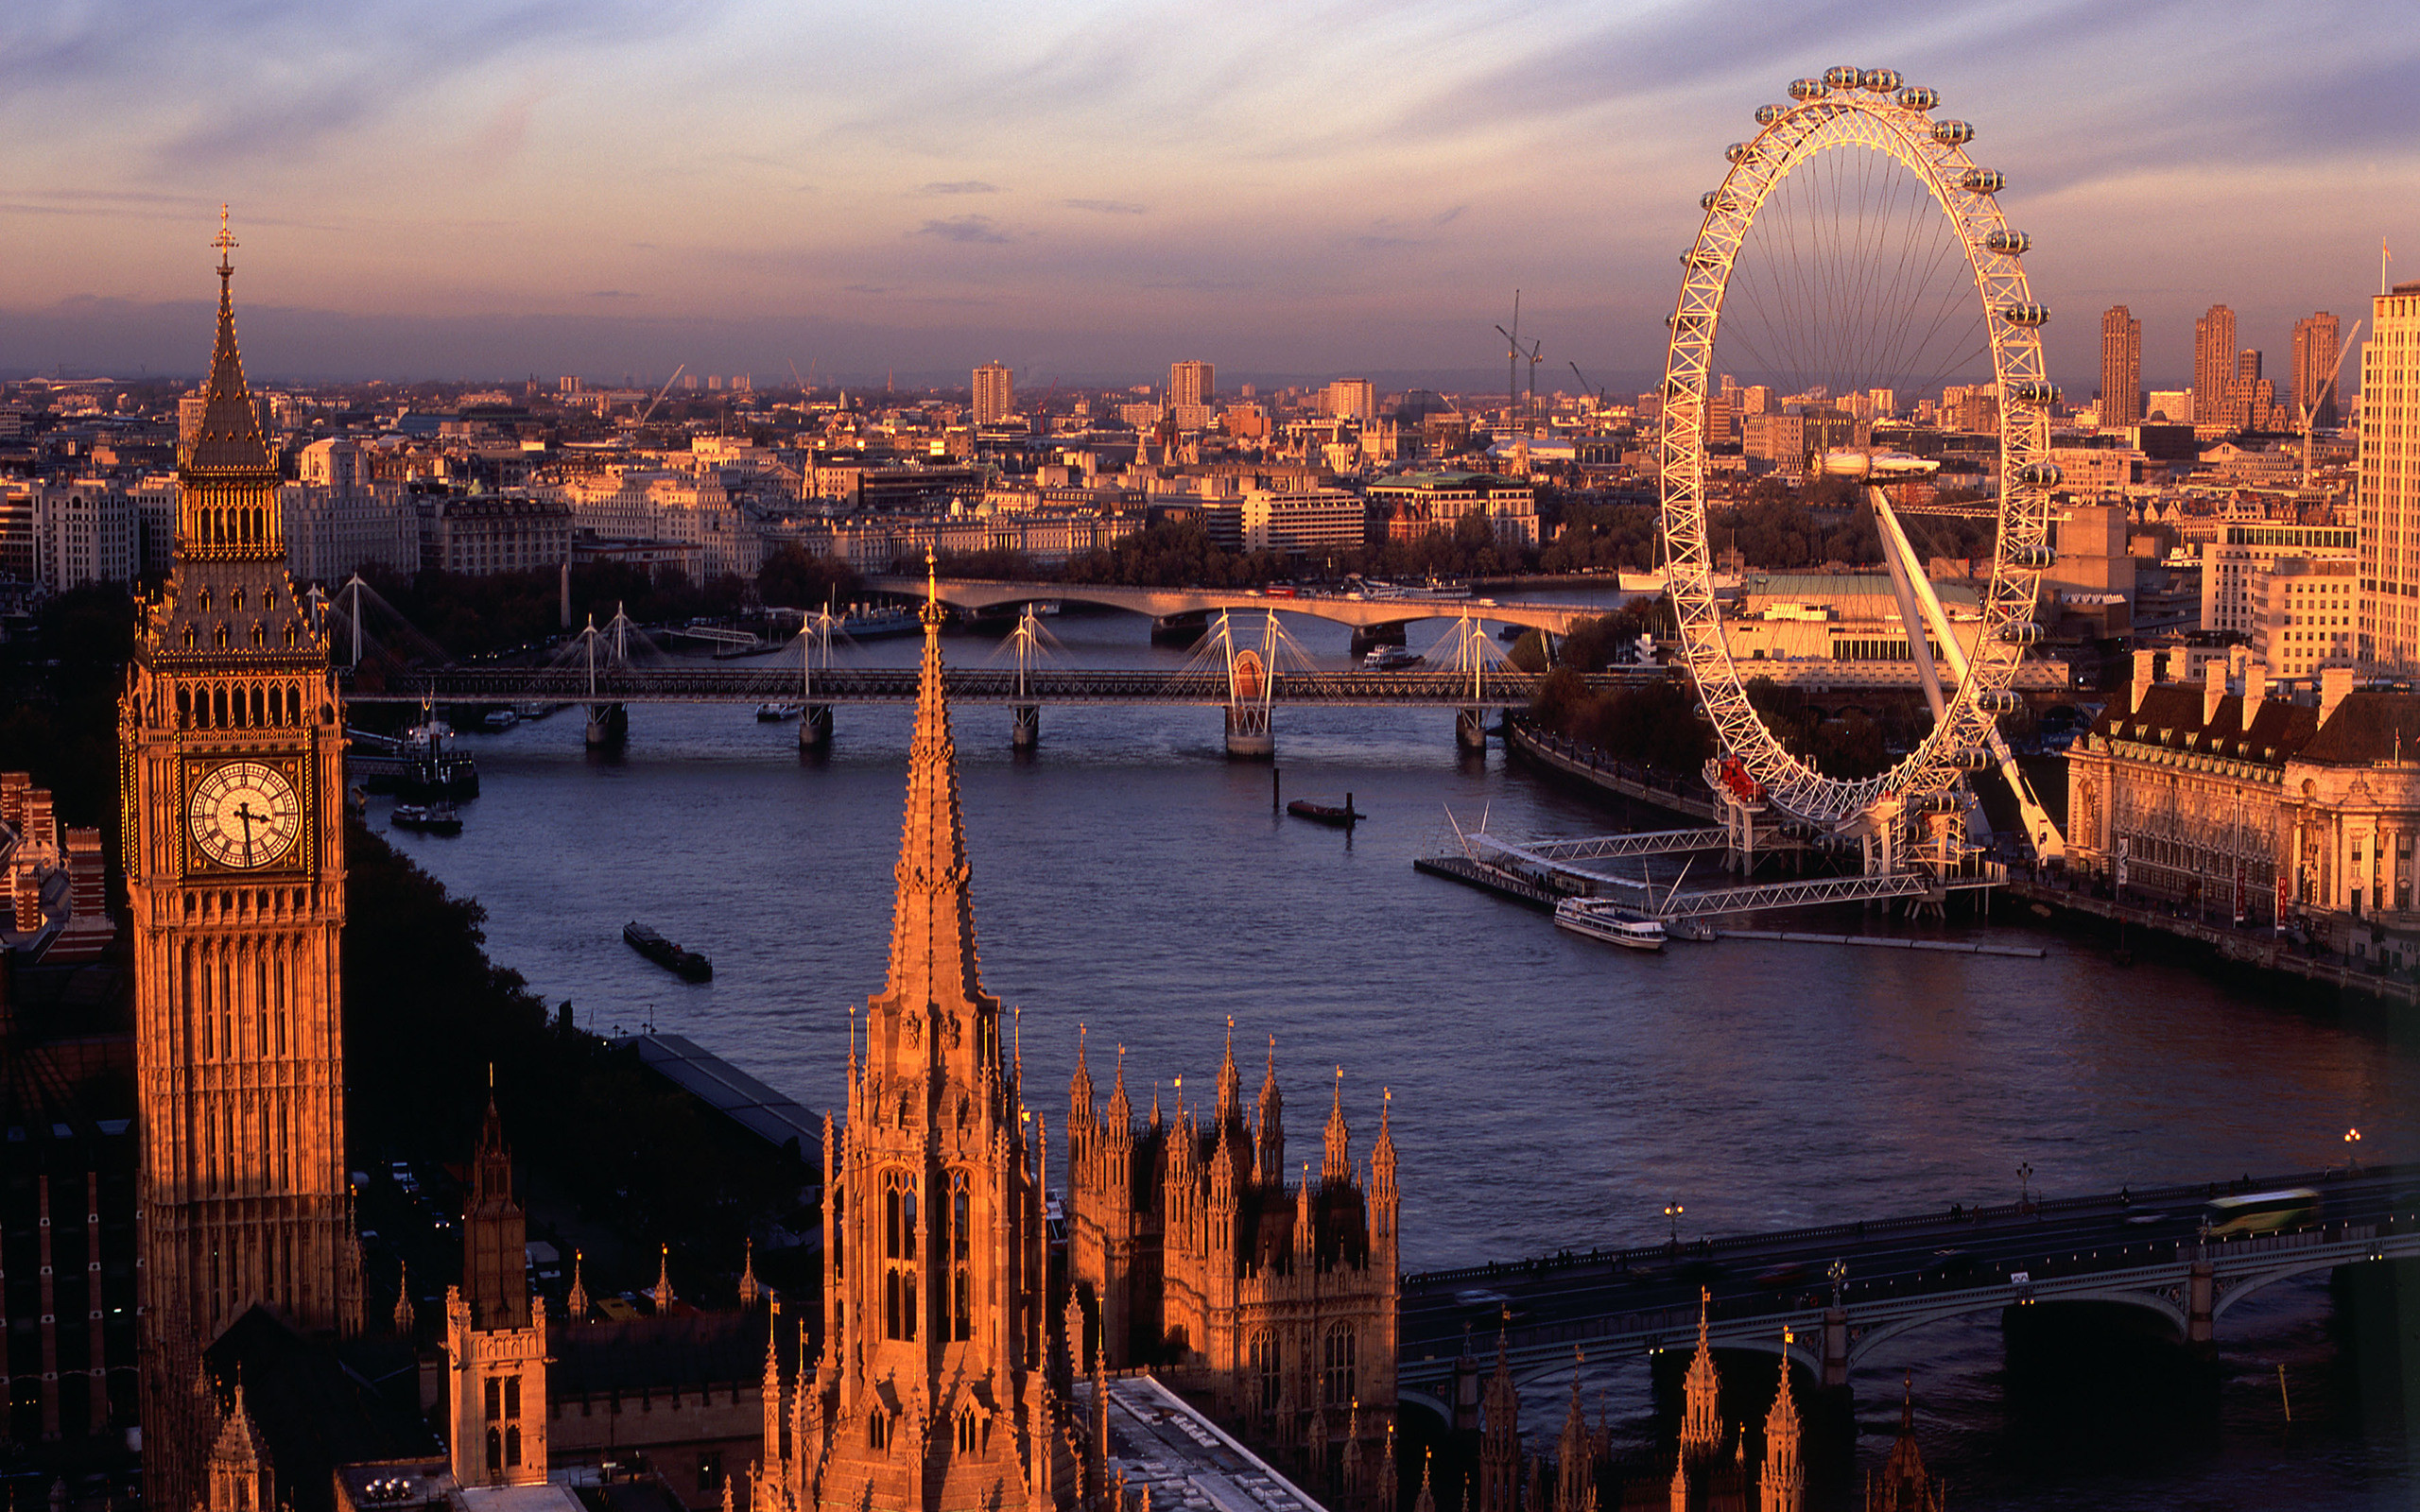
x=232, y=788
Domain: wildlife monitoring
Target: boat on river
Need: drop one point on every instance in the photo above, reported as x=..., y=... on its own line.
x=773, y=714
x=426, y=819
x=1614, y=926
x=1393, y=658
x=687, y=965
x=1344, y=817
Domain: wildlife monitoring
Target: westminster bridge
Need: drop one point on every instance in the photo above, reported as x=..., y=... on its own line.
x=1831, y=1295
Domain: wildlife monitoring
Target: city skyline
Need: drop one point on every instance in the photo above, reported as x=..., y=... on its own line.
x=601, y=191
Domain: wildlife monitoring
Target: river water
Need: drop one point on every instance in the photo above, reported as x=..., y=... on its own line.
x=1547, y=1092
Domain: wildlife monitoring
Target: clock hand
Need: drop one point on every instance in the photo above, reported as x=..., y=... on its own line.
x=244, y=811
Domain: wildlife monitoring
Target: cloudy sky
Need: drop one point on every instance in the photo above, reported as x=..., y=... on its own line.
x=1092, y=188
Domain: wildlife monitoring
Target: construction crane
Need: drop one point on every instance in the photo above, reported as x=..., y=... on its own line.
x=1587, y=389
x=661, y=392
x=1512, y=362
x=2310, y=409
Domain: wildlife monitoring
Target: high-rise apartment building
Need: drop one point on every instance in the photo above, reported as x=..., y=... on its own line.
x=2214, y=357
x=995, y=394
x=1190, y=383
x=1352, y=399
x=2318, y=341
x=2390, y=482
x=2122, y=368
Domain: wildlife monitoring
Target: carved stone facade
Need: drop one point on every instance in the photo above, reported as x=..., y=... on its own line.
x=930, y=1391
x=495, y=1340
x=1273, y=1299
x=2271, y=811
x=232, y=790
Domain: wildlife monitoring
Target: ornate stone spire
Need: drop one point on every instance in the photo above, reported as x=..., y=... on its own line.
x=1701, y=1418
x=1230, y=1087
x=1080, y=1085
x=405, y=1321
x=1337, y=1163
x=1426, y=1501
x=576, y=1301
x=750, y=1288
x=229, y=438
x=932, y=928
x=1783, y=1480
x=1121, y=1107
x=1269, y=1144
x=662, y=1291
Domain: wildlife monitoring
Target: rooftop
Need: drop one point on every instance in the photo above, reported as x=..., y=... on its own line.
x=1158, y=1440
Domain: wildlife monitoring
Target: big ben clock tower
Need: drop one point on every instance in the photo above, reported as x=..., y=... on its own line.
x=232, y=784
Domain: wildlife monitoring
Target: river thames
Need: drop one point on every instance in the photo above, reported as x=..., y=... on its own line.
x=1549, y=1093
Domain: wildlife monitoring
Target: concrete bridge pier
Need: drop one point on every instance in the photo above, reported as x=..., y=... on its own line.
x=1836, y=1347
x=609, y=726
x=2201, y=1298
x=815, y=728
x=1182, y=629
x=1248, y=737
x=1470, y=730
x=1025, y=726
x=1367, y=636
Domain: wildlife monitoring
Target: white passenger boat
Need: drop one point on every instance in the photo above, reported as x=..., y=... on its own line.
x=1631, y=932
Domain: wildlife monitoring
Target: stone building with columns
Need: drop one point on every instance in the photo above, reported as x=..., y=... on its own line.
x=2227, y=801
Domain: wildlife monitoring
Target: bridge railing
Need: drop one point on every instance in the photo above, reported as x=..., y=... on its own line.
x=1810, y=1237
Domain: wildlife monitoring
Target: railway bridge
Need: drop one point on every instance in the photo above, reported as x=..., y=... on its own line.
x=1838, y=1292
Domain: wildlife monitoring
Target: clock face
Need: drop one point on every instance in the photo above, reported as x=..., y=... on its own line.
x=244, y=815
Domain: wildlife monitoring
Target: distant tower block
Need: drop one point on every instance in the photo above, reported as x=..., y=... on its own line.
x=995, y=397
x=1191, y=383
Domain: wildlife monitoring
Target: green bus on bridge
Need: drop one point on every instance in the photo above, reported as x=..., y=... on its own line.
x=2259, y=1213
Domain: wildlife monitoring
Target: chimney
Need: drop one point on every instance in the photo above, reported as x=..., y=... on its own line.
x=2334, y=683
x=2146, y=673
x=2214, y=690
x=2255, y=691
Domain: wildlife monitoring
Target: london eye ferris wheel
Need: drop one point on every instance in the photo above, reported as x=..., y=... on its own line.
x=1853, y=257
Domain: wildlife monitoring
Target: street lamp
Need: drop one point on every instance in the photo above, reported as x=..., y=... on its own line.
x=1840, y=1273
x=2352, y=1149
x=2024, y=1185
x=1672, y=1211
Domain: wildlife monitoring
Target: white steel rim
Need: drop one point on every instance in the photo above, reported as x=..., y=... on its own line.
x=1840, y=119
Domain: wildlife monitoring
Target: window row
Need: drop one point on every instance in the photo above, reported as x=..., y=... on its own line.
x=247, y=526
x=240, y=706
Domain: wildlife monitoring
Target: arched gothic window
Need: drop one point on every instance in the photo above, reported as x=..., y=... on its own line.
x=1338, y=1373
x=899, y=1253
x=1265, y=1369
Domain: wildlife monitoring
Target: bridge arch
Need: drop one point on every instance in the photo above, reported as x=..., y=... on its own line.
x=2162, y=1307
x=1407, y=1397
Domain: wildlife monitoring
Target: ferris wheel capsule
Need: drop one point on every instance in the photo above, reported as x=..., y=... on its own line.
x=1714, y=199
x=2008, y=243
x=1879, y=81
x=1842, y=77
x=1982, y=180
x=2026, y=314
x=2032, y=559
x=2034, y=393
x=1807, y=89
x=1952, y=133
x=1768, y=115
x=1917, y=98
x=2021, y=632
x=2039, y=475
x=1737, y=152
x=1934, y=800
x=1971, y=759
x=2000, y=701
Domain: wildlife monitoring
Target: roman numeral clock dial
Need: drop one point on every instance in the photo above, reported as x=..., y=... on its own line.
x=244, y=815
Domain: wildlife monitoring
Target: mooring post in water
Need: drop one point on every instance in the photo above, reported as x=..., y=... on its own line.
x=2283, y=1400
x=1273, y=804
